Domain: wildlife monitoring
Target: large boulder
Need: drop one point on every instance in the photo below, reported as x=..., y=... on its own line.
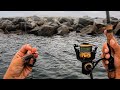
x=35, y=18
x=90, y=30
x=17, y=20
x=7, y=25
x=34, y=31
x=85, y=22
x=35, y=21
x=49, y=19
x=44, y=30
x=11, y=19
x=63, y=30
x=39, y=23
x=24, y=26
x=1, y=31
x=66, y=19
x=77, y=27
x=67, y=24
x=116, y=31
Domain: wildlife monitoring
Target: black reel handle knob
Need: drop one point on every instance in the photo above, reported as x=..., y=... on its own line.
x=88, y=66
x=27, y=60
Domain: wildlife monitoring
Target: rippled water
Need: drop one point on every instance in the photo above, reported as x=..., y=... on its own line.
x=56, y=59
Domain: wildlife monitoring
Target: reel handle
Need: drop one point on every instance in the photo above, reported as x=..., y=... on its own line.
x=111, y=66
x=27, y=60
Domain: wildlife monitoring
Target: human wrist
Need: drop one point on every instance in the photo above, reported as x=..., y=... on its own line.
x=117, y=74
x=111, y=75
x=8, y=76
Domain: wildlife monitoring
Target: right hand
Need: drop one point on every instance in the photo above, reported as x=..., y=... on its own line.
x=116, y=51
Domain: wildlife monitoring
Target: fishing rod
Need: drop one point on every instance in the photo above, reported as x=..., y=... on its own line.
x=86, y=54
x=109, y=28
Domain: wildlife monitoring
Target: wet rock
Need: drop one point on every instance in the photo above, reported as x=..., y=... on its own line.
x=17, y=20
x=35, y=18
x=71, y=28
x=85, y=22
x=1, y=31
x=113, y=18
x=98, y=28
x=77, y=27
x=64, y=19
x=33, y=24
x=46, y=30
x=63, y=30
x=90, y=30
x=116, y=31
x=11, y=19
x=49, y=19
x=25, y=26
x=39, y=23
x=34, y=31
x=7, y=25
x=18, y=32
x=35, y=21
x=67, y=24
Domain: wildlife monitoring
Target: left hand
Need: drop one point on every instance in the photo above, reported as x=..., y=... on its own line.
x=17, y=69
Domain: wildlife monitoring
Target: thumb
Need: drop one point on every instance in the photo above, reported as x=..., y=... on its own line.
x=114, y=45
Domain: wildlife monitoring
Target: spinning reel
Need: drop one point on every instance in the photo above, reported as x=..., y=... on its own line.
x=86, y=55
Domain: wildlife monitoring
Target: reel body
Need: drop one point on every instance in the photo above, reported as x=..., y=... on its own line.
x=86, y=55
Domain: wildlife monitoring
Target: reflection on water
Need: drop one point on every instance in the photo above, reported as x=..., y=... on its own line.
x=56, y=59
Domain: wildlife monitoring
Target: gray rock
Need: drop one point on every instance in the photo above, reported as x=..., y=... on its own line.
x=77, y=27
x=17, y=20
x=35, y=18
x=7, y=25
x=39, y=23
x=65, y=19
x=24, y=26
x=116, y=31
x=63, y=30
x=90, y=30
x=49, y=19
x=67, y=24
x=11, y=19
x=1, y=31
x=46, y=30
x=85, y=22
x=34, y=31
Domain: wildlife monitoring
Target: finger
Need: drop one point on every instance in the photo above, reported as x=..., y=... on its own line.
x=24, y=50
x=106, y=51
x=36, y=54
x=34, y=50
x=29, y=52
x=114, y=45
x=106, y=62
x=105, y=32
x=111, y=36
x=107, y=56
x=105, y=48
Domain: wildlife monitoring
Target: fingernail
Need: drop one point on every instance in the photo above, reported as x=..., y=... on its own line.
x=106, y=50
x=105, y=31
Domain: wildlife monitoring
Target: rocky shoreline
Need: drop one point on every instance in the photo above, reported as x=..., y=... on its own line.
x=49, y=26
